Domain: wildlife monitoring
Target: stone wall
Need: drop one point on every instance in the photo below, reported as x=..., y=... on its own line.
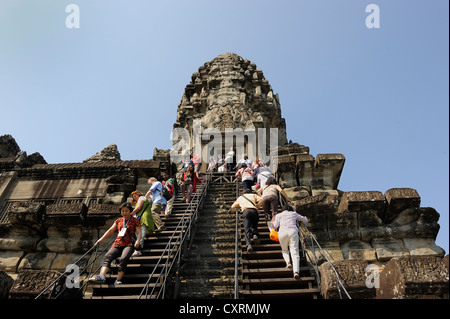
x=51, y=214
x=358, y=229
x=50, y=237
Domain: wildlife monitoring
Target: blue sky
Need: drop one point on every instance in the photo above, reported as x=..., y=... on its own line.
x=378, y=96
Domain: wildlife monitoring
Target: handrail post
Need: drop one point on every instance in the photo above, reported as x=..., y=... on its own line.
x=236, y=253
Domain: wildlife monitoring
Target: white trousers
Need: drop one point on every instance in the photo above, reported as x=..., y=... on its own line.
x=289, y=242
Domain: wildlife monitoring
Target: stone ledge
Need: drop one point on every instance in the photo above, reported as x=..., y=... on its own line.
x=414, y=277
x=362, y=201
x=399, y=199
x=352, y=274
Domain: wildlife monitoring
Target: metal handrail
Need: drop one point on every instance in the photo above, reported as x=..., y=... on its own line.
x=311, y=245
x=314, y=262
x=68, y=270
x=197, y=198
x=185, y=223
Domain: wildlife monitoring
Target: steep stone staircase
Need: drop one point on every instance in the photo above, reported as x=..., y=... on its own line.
x=209, y=270
x=264, y=273
x=154, y=258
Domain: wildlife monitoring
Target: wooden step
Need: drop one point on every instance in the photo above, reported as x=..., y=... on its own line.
x=280, y=293
x=264, y=263
x=261, y=254
x=270, y=272
x=270, y=282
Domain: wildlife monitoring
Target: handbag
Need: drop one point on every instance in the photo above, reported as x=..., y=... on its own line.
x=273, y=233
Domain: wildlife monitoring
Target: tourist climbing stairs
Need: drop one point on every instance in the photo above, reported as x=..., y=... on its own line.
x=219, y=266
x=264, y=271
x=147, y=275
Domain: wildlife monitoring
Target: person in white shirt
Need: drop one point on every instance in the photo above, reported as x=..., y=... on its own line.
x=245, y=161
x=288, y=236
x=229, y=160
x=212, y=167
x=263, y=176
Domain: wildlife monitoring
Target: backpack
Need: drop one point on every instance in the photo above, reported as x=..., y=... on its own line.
x=168, y=191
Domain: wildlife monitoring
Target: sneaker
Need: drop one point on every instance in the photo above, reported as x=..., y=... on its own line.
x=99, y=279
x=255, y=240
x=117, y=282
x=296, y=275
x=249, y=248
x=137, y=253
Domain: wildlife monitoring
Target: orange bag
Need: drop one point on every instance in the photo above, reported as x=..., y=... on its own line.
x=273, y=235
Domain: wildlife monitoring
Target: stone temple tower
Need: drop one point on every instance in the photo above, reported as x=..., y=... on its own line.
x=230, y=92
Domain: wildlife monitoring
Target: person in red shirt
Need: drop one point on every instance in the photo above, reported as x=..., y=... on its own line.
x=189, y=183
x=129, y=228
x=247, y=176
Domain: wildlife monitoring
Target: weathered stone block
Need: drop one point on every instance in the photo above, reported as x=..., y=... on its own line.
x=287, y=171
x=358, y=250
x=352, y=274
x=320, y=204
x=6, y=180
x=19, y=239
x=9, y=260
x=415, y=222
x=305, y=167
x=370, y=225
x=316, y=208
x=343, y=226
x=62, y=260
x=413, y=277
x=388, y=247
x=30, y=283
x=27, y=214
x=66, y=214
x=39, y=260
x=331, y=249
x=362, y=201
x=297, y=192
x=316, y=192
x=423, y=247
x=293, y=149
x=67, y=239
x=399, y=199
x=328, y=169
x=102, y=215
x=115, y=198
